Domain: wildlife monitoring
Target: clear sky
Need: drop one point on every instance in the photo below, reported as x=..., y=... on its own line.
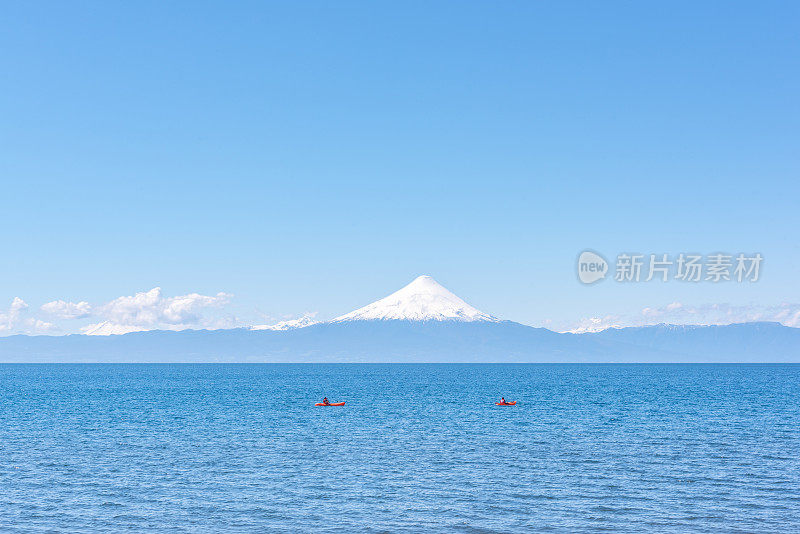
x=316, y=157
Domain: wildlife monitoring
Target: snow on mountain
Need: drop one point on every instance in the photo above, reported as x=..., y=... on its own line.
x=421, y=300
x=302, y=322
x=107, y=328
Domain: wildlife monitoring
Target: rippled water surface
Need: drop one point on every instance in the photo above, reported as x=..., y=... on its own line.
x=417, y=448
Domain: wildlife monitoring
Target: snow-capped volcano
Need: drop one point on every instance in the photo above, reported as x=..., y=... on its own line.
x=421, y=300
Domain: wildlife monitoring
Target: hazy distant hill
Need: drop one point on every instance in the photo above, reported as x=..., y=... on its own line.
x=753, y=342
x=430, y=341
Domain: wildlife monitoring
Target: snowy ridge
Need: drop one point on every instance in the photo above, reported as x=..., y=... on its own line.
x=107, y=328
x=302, y=322
x=421, y=300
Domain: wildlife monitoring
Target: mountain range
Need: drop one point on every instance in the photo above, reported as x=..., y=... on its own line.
x=422, y=322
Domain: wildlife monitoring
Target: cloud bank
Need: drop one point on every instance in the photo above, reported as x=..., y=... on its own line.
x=146, y=310
x=151, y=310
x=15, y=320
x=67, y=310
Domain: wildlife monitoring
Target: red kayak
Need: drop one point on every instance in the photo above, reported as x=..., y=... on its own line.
x=330, y=404
x=506, y=403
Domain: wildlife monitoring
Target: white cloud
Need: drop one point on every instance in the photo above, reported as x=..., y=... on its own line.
x=151, y=310
x=17, y=305
x=67, y=310
x=793, y=319
x=15, y=320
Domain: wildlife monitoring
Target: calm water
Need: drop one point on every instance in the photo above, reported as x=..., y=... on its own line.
x=418, y=448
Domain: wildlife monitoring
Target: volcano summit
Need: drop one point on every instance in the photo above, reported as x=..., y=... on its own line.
x=424, y=299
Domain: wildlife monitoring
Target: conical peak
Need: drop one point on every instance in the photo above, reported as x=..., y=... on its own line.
x=424, y=283
x=424, y=299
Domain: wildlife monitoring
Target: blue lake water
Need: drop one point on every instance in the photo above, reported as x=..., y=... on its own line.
x=417, y=448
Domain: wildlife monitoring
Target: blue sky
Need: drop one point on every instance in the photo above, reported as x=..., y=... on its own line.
x=315, y=157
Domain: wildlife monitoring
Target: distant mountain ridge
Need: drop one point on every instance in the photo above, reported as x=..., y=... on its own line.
x=422, y=322
x=419, y=341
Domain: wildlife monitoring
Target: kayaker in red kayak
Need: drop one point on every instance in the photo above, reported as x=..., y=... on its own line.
x=326, y=402
x=502, y=400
